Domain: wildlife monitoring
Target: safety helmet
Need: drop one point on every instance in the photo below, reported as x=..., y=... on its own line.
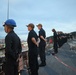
x=10, y=22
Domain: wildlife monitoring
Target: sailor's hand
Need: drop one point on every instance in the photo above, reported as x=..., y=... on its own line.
x=45, y=40
x=37, y=44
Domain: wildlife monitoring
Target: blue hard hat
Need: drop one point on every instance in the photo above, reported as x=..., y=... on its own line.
x=10, y=22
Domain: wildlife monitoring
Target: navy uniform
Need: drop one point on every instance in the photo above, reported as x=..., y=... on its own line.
x=42, y=45
x=55, y=45
x=12, y=50
x=33, y=53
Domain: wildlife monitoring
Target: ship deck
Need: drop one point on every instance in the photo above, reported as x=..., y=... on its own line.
x=63, y=63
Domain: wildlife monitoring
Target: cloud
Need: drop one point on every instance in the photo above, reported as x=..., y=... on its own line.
x=58, y=14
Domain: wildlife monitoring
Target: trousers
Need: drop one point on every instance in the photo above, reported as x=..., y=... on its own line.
x=11, y=68
x=42, y=54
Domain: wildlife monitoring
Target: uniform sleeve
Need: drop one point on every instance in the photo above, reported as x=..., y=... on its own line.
x=8, y=50
x=32, y=35
x=20, y=47
x=40, y=33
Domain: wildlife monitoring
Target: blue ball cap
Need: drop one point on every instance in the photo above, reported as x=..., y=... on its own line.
x=10, y=22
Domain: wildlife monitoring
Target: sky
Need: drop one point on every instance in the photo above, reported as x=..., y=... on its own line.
x=58, y=14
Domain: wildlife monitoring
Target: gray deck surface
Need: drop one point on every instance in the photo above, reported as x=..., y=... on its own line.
x=63, y=64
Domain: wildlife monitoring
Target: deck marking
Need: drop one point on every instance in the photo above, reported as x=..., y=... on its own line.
x=70, y=67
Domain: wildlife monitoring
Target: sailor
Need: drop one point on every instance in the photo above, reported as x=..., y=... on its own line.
x=12, y=48
x=55, y=45
x=42, y=44
x=33, y=49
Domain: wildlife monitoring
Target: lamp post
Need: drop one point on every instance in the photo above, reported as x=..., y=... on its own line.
x=8, y=10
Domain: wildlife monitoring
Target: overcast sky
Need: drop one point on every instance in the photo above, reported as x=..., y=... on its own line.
x=58, y=14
